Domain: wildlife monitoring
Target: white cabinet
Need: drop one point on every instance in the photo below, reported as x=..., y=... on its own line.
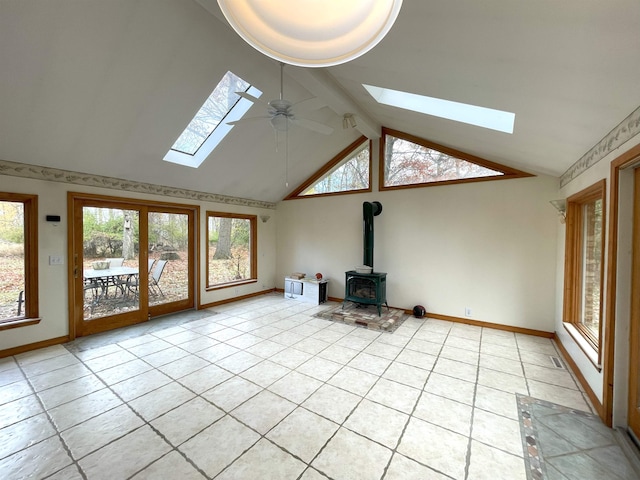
x=306, y=290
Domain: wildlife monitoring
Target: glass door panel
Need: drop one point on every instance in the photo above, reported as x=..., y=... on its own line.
x=131, y=261
x=170, y=264
x=110, y=261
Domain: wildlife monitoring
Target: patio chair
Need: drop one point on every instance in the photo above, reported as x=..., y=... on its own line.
x=20, y=301
x=154, y=279
x=114, y=262
x=130, y=283
x=95, y=287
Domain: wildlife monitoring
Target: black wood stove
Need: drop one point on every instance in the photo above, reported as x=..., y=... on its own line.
x=367, y=288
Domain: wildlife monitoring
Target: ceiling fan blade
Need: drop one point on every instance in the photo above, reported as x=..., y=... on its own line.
x=313, y=125
x=251, y=98
x=242, y=121
x=309, y=105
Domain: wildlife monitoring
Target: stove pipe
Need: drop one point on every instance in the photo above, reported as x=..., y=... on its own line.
x=369, y=210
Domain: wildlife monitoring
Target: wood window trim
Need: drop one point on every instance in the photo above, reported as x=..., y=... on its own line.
x=342, y=155
x=508, y=172
x=31, y=302
x=17, y=323
x=253, y=222
x=573, y=270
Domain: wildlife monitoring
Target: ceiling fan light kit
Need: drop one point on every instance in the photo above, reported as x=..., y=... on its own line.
x=349, y=121
x=311, y=33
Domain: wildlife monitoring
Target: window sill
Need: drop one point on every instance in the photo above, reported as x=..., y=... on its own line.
x=231, y=284
x=20, y=322
x=591, y=353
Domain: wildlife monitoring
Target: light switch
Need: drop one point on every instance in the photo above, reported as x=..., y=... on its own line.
x=55, y=260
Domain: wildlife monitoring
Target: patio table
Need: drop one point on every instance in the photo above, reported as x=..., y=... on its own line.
x=102, y=279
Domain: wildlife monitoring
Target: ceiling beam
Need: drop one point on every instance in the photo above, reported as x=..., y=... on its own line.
x=322, y=85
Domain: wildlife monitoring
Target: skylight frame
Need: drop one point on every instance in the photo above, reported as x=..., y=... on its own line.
x=490, y=118
x=220, y=131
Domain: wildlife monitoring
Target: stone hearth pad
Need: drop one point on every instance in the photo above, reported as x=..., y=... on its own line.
x=365, y=316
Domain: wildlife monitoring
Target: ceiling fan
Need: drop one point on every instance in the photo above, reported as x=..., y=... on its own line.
x=282, y=113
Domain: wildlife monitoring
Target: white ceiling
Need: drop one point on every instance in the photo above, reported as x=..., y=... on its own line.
x=106, y=87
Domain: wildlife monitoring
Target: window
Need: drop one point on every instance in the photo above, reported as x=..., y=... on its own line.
x=584, y=259
x=460, y=112
x=347, y=172
x=210, y=124
x=410, y=161
x=18, y=260
x=231, y=249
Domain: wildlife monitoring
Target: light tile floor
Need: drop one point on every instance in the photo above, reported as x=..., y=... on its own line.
x=261, y=389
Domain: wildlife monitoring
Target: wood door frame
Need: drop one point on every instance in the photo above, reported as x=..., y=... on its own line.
x=620, y=163
x=74, y=236
x=633, y=416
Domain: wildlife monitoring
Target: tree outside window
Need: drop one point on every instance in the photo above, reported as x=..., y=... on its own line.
x=231, y=249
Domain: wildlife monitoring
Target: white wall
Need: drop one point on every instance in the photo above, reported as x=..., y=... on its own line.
x=489, y=246
x=52, y=240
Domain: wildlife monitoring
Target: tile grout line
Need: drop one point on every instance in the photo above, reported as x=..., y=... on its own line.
x=55, y=428
x=263, y=359
x=467, y=466
x=415, y=406
x=146, y=422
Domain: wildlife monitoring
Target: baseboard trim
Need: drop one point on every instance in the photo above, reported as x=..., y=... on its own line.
x=33, y=346
x=235, y=299
x=583, y=381
x=468, y=321
x=496, y=326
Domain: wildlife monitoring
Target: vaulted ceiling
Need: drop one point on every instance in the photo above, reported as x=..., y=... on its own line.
x=106, y=87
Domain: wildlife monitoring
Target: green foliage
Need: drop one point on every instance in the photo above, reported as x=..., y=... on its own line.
x=94, y=225
x=12, y=222
x=169, y=229
x=12, y=235
x=241, y=232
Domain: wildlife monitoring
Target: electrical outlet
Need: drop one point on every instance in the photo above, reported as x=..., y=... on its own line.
x=467, y=311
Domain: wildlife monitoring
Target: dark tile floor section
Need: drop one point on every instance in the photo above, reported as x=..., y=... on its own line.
x=567, y=444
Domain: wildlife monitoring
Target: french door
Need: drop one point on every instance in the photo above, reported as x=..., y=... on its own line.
x=634, y=360
x=129, y=261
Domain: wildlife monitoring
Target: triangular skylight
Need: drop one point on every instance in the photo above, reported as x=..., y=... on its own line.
x=460, y=112
x=207, y=129
x=349, y=171
x=412, y=161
